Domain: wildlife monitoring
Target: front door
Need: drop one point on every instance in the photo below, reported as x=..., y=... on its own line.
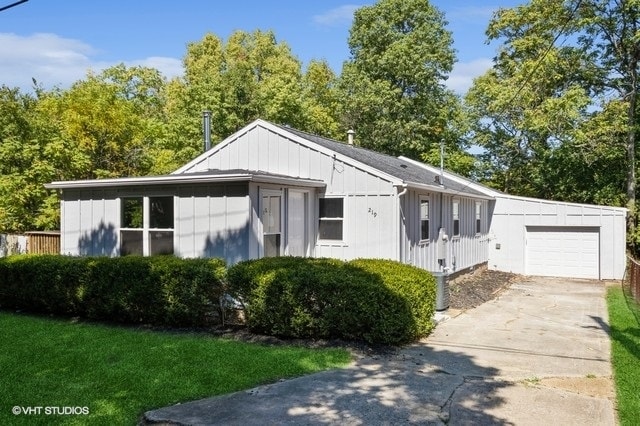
x=271, y=224
x=297, y=223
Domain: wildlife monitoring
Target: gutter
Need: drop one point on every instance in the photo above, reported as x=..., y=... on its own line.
x=178, y=179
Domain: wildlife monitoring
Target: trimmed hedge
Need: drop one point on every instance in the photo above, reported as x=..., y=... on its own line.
x=378, y=301
x=161, y=290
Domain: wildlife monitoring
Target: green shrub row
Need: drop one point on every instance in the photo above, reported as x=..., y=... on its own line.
x=160, y=290
x=378, y=301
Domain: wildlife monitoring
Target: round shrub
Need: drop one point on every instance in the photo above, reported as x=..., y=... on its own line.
x=328, y=298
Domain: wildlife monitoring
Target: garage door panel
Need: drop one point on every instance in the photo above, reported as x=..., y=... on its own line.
x=563, y=251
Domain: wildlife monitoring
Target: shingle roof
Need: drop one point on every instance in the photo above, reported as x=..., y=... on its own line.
x=394, y=166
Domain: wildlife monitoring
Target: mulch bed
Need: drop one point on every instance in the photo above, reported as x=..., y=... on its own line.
x=465, y=293
x=475, y=289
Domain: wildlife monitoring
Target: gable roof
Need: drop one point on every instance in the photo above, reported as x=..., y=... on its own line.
x=409, y=171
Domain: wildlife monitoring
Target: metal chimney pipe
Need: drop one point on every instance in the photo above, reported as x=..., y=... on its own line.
x=206, y=129
x=350, y=134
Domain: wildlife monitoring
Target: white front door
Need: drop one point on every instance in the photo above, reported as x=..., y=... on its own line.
x=297, y=223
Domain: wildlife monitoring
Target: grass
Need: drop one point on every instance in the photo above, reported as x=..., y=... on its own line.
x=625, y=354
x=119, y=373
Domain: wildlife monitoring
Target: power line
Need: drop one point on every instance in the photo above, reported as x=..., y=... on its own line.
x=539, y=61
x=12, y=5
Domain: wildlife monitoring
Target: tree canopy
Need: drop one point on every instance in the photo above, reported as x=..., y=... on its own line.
x=555, y=117
x=394, y=83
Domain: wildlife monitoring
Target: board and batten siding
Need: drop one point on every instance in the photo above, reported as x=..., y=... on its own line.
x=512, y=215
x=210, y=220
x=370, y=201
x=89, y=223
x=260, y=149
x=464, y=251
x=213, y=221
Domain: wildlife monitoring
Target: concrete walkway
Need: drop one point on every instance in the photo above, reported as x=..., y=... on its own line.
x=538, y=354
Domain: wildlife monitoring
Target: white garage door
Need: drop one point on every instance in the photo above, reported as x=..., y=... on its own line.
x=563, y=251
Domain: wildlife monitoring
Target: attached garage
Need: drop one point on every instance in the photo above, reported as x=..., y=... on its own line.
x=533, y=236
x=563, y=251
x=553, y=238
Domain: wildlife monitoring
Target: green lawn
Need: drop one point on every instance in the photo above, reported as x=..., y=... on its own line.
x=118, y=373
x=625, y=354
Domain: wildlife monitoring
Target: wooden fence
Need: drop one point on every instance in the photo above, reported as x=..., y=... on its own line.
x=30, y=242
x=632, y=283
x=43, y=242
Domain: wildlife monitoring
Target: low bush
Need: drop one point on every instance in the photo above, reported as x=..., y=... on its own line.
x=160, y=290
x=377, y=301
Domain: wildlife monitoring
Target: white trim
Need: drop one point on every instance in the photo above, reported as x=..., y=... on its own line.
x=300, y=140
x=268, y=192
x=454, y=202
x=146, y=222
x=422, y=198
x=488, y=192
x=492, y=193
x=171, y=179
x=329, y=242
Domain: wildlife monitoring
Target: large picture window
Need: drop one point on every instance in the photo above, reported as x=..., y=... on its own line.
x=424, y=219
x=146, y=226
x=331, y=218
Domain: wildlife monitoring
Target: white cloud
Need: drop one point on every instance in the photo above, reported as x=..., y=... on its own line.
x=461, y=78
x=169, y=67
x=57, y=61
x=337, y=16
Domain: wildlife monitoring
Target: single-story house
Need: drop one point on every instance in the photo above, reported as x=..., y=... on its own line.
x=270, y=190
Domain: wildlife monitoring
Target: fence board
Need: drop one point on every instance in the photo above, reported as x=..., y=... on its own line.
x=634, y=279
x=43, y=242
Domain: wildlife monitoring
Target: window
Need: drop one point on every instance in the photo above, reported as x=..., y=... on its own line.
x=147, y=219
x=456, y=218
x=424, y=219
x=331, y=218
x=478, y=216
x=160, y=225
x=131, y=226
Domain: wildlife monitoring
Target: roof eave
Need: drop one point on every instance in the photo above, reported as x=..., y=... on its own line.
x=445, y=190
x=182, y=179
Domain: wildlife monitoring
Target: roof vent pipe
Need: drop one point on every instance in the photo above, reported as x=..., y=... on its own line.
x=350, y=134
x=206, y=129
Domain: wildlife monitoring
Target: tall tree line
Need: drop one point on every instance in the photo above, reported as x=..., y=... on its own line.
x=555, y=117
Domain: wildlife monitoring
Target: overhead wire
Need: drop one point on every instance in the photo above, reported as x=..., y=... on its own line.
x=546, y=52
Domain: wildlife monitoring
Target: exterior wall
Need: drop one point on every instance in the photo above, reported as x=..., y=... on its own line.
x=370, y=202
x=512, y=215
x=464, y=251
x=89, y=222
x=209, y=220
x=213, y=221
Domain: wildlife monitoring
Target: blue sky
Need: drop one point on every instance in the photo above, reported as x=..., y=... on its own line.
x=56, y=41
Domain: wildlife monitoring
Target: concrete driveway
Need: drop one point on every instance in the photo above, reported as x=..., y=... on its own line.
x=538, y=354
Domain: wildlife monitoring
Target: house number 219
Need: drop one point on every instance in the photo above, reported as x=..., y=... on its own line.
x=372, y=212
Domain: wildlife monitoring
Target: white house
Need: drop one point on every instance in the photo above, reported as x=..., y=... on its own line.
x=269, y=190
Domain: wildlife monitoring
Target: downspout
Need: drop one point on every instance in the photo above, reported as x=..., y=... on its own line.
x=402, y=222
